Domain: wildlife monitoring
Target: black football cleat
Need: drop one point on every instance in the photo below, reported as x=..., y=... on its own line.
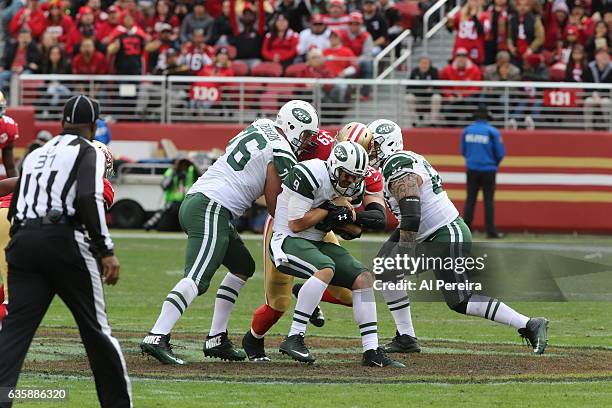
x=220, y=346
x=254, y=348
x=158, y=346
x=378, y=358
x=402, y=343
x=294, y=347
x=536, y=334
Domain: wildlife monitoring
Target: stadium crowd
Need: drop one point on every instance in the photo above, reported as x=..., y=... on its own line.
x=500, y=40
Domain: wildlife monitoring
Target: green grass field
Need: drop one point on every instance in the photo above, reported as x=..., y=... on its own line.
x=465, y=361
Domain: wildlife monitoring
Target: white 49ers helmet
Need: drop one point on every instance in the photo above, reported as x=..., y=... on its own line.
x=299, y=121
x=387, y=140
x=358, y=133
x=347, y=158
x=108, y=158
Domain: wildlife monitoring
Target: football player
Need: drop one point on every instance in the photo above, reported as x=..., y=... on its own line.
x=254, y=164
x=413, y=190
x=297, y=247
x=9, y=132
x=278, y=286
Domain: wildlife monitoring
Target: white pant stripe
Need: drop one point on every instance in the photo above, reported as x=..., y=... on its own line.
x=201, y=252
x=213, y=239
x=98, y=293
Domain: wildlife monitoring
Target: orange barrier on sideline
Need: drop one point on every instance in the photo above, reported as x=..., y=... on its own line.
x=551, y=180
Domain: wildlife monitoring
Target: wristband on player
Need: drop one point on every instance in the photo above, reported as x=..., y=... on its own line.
x=410, y=210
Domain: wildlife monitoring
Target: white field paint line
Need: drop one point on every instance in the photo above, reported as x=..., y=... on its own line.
x=403, y=381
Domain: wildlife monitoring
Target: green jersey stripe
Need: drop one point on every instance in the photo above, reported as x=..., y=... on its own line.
x=310, y=176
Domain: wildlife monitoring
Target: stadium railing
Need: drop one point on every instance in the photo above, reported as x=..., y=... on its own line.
x=243, y=99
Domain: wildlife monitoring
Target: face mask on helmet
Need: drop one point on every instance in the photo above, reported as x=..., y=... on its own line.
x=346, y=183
x=305, y=143
x=387, y=140
x=2, y=105
x=347, y=166
x=108, y=159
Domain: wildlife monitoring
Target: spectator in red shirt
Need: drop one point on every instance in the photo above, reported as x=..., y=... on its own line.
x=316, y=68
x=163, y=15
x=458, y=99
x=526, y=34
x=359, y=40
x=105, y=28
x=89, y=61
x=337, y=19
x=340, y=60
x=196, y=53
x=57, y=23
x=579, y=19
x=556, y=16
x=496, y=38
x=31, y=17
x=469, y=24
x=85, y=27
x=208, y=94
x=128, y=47
x=280, y=45
x=21, y=56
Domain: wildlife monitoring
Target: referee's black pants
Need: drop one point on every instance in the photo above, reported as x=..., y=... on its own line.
x=43, y=261
x=484, y=180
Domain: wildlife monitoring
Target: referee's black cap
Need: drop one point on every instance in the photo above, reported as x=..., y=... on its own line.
x=81, y=109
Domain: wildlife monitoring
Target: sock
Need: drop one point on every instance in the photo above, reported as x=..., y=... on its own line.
x=263, y=319
x=3, y=310
x=178, y=300
x=364, y=313
x=399, y=306
x=493, y=309
x=224, y=303
x=1, y=293
x=329, y=298
x=308, y=298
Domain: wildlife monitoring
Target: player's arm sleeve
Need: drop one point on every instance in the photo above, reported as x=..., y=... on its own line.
x=302, y=182
x=373, y=217
x=403, y=184
x=89, y=200
x=283, y=162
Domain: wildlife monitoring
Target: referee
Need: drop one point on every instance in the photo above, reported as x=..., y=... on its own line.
x=58, y=197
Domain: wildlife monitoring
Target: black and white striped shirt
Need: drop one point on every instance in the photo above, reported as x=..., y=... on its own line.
x=66, y=175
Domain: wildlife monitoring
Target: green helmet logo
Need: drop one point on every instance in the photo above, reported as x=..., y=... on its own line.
x=385, y=128
x=340, y=153
x=301, y=115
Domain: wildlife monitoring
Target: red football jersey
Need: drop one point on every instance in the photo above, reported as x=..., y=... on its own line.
x=322, y=148
x=373, y=181
x=5, y=201
x=9, y=131
x=108, y=194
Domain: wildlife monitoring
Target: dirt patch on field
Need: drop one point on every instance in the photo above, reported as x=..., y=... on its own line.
x=338, y=361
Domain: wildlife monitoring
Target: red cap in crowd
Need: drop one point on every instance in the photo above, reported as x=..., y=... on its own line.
x=534, y=60
x=572, y=30
x=356, y=17
x=317, y=19
x=339, y=3
x=461, y=51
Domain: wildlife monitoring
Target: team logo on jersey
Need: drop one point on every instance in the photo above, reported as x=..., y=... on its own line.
x=340, y=153
x=385, y=128
x=301, y=115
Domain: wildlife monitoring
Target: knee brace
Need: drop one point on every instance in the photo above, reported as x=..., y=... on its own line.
x=457, y=305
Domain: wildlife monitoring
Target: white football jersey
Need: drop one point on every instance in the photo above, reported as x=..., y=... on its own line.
x=238, y=177
x=309, y=180
x=437, y=209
